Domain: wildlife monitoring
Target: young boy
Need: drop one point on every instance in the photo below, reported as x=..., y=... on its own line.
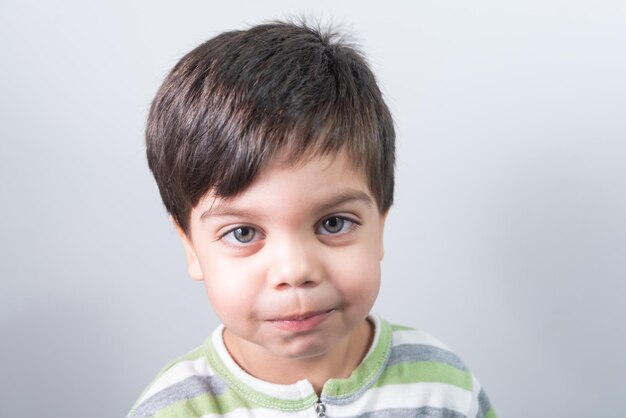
x=273, y=151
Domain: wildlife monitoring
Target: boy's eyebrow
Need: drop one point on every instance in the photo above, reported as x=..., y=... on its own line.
x=224, y=209
x=345, y=197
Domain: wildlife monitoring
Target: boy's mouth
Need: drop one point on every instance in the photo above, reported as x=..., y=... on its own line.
x=302, y=322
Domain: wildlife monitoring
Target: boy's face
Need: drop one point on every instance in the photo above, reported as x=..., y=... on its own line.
x=291, y=265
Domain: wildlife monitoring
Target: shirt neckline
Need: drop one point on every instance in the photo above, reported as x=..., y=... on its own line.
x=301, y=395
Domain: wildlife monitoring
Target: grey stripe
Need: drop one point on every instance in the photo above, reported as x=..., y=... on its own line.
x=405, y=353
x=410, y=353
x=186, y=389
x=342, y=400
x=483, y=404
x=424, y=412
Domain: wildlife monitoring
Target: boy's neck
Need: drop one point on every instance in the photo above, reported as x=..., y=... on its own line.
x=337, y=363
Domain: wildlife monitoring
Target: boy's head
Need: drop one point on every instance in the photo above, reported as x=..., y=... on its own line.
x=274, y=152
x=275, y=91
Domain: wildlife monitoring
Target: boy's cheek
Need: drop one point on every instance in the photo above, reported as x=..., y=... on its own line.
x=360, y=276
x=224, y=285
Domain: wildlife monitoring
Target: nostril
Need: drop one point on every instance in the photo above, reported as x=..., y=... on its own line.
x=308, y=283
x=283, y=286
x=304, y=284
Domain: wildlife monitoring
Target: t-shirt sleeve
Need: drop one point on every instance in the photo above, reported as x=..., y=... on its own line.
x=480, y=406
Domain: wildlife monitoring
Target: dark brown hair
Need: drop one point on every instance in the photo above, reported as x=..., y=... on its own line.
x=242, y=98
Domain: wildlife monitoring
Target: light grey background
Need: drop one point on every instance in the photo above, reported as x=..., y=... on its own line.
x=506, y=240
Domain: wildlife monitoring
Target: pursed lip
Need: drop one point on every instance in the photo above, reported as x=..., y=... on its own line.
x=301, y=316
x=302, y=322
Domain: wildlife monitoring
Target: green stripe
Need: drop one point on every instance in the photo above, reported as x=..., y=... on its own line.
x=404, y=373
x=395, y=328
x=491, y=414
x=365, y=373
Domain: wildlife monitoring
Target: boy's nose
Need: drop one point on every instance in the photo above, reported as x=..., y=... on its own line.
x=296, y=265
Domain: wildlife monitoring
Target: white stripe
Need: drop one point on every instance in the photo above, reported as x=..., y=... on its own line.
x=264, y=413
x=473, y=410
x=178, y=373
x=416, y=395
x=416, y=337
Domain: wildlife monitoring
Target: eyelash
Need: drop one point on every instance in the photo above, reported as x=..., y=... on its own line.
x=343, y=221
x=346, y=225
x=229, y=237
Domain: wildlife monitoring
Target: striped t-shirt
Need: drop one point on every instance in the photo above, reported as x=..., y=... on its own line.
x=406, y=373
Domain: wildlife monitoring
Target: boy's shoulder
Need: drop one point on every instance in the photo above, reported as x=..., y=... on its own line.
x=415, y=345
x=418, y=361
x=181, y=377
x=417, y=356
x=405, y=367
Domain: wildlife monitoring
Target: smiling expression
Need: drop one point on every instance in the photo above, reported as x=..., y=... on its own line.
x=291, y=265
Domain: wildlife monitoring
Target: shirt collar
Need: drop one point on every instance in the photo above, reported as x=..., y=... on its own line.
x=301, y=395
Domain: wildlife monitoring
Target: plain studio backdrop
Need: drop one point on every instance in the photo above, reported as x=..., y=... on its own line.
x=506, y=240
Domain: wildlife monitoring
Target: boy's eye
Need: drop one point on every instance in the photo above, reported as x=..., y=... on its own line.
x=334, y=225
x=241, y=235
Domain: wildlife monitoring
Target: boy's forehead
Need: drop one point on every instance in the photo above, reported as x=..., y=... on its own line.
x=289, y=158
x=349, y=183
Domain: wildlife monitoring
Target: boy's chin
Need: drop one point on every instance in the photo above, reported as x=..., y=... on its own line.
x=301, y=347
x=302, y=350
x=310, y=347
x=329, y=340
x=294, y=347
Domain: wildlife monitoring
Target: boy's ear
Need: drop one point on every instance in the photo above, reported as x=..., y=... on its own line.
x=193, y=265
